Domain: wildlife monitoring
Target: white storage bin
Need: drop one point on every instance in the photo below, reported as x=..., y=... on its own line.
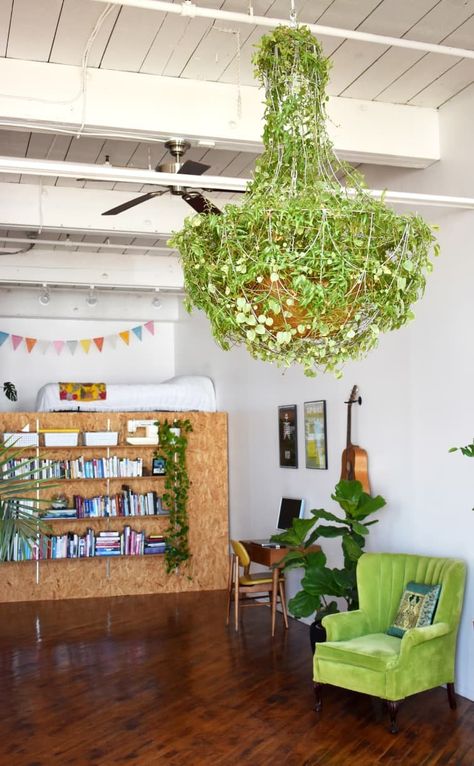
x=23, y=439
x=101, y=438
x=60, y=439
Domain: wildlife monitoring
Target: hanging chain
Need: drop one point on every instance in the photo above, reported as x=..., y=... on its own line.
x=293, y=21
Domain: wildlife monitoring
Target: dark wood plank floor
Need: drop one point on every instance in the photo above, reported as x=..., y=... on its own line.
x=161, y=680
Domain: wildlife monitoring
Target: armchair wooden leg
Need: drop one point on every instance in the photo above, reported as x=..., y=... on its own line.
x=393, y=710
x=451, y=696
x=318, y=697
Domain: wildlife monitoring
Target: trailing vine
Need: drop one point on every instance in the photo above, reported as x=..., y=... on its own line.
x=172, y=448
x=310, y=268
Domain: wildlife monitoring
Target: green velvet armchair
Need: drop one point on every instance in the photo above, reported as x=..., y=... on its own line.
x=358, y=653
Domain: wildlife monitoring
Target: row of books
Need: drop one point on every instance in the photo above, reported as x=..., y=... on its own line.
x=128, y=542
x=80, y=468
x=125, y=503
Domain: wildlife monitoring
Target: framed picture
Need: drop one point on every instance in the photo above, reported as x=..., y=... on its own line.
x=288, y=436
x=158, y=466
x=315, y=437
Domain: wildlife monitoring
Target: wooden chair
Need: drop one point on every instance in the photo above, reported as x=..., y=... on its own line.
x=256, y=584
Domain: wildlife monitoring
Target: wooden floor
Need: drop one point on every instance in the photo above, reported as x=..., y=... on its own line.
x=160, y=680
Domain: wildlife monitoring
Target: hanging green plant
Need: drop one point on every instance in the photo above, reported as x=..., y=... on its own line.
x=172, y=448
x=310, y=268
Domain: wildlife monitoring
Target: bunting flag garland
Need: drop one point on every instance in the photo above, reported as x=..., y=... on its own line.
x=16, y=340
x=30, y=344
x=42, y=345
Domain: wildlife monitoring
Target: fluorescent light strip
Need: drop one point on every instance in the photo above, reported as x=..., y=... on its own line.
x=28, y=166
x=190, y=10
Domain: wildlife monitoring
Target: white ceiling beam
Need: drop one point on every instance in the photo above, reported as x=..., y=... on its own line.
x=191, y=10
x=27, y=166
x=137, y=272
x=33, y=208
x=150, y=107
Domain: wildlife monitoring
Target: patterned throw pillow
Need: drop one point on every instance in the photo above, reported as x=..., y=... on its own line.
x=416, y=609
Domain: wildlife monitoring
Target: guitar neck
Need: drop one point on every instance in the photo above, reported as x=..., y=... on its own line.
x=349, y=425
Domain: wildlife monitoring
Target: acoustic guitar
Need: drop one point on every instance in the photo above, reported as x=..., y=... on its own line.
x=354, y=459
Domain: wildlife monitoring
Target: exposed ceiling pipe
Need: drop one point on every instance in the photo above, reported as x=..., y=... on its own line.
x=69, y=243
x=190, y=10
x=29, y=166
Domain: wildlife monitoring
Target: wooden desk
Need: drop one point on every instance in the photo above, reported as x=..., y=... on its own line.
x=268, y=557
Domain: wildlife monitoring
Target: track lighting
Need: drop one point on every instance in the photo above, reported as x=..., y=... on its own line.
x=44, y=296
x=91, y=299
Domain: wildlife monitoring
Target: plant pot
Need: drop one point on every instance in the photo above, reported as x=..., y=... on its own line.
x=317, y=634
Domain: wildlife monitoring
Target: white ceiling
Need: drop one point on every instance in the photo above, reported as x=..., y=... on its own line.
x=139, y=41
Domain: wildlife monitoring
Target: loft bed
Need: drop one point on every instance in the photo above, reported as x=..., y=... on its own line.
x=179, y=394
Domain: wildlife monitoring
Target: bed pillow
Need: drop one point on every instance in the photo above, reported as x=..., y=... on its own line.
x=417, y=608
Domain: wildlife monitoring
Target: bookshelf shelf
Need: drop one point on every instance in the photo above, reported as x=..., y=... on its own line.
x=208, y=510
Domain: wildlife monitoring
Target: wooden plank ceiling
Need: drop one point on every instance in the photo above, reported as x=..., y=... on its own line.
x=136, y=40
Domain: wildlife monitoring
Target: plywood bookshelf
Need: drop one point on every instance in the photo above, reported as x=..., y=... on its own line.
x=129, y=575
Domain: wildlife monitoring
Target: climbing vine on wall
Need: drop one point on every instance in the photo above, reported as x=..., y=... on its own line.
x=172, y=448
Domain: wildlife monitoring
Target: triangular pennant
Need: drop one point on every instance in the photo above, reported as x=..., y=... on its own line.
x=137, y=331
x=150, y=326
x=58, y=346
x=30, y=344
x=112, y=340
x=72, y=345
x=125, y=336
x=16, y=340
x=99, y=342
x=43, y=346
x=3, y=337
x=85, y=344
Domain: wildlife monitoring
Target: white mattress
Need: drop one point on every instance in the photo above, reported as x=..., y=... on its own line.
x=185, y=392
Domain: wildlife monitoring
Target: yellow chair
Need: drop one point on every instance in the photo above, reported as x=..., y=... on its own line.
x=246, y=583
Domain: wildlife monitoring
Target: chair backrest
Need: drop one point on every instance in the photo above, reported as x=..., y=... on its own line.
x=382, y=577
x=241, y=553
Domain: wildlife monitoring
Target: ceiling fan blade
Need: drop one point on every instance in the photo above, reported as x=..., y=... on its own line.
x=132, y=203
x=192, y=168
x=228, y=191
x=200, y=204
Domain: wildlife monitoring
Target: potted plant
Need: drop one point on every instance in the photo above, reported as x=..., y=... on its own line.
x=19, y=506
x=320, y=582
x=10, y=391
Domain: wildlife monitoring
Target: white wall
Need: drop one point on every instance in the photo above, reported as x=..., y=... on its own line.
x=148, y=361
x=418, y=401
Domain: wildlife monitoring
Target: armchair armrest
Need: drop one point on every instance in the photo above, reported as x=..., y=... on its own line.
x=345, y=625
x=416, y=636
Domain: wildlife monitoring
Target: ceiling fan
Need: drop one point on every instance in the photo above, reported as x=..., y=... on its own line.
x=177, y=147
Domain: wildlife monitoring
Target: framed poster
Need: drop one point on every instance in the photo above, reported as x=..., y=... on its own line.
x=158, y=466
x=288, y=436
x=315, y=437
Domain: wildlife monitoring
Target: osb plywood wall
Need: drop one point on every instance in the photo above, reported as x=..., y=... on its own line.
x=208, y=513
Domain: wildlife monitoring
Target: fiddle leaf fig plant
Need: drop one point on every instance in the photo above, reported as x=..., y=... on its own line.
x=309, y=269
x=319, y=582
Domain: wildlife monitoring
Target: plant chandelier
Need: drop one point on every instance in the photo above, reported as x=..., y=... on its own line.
x=310, y=268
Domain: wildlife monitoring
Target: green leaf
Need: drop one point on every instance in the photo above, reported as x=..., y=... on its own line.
x=303, y=604
x=351, y=548
x=324, y=531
